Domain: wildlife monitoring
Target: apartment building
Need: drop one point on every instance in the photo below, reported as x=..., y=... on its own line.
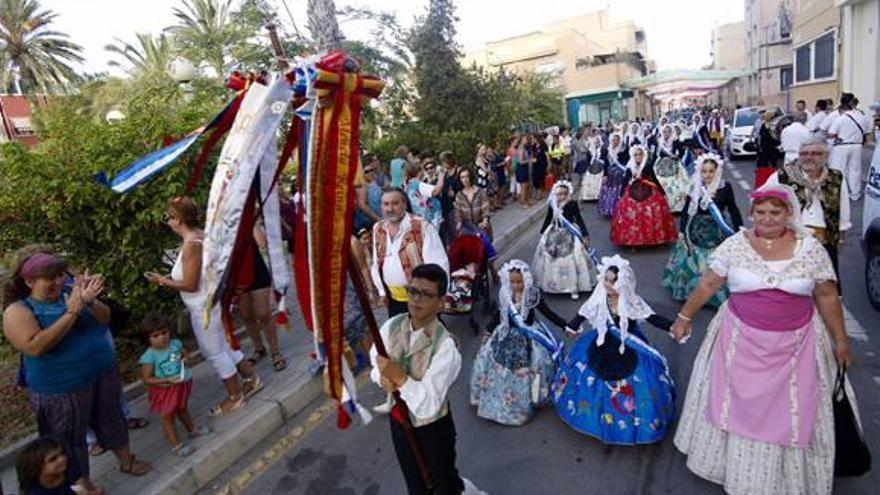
x=768, y=25
x=15, y=119
x=815, y=51
x=590, y=56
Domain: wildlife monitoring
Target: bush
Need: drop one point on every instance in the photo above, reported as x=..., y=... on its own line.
x=49, y=194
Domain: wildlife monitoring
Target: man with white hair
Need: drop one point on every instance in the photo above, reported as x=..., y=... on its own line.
x=848, y=133
x=793, y=136
x=822, y=193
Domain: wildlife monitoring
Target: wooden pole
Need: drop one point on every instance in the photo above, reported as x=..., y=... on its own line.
x=364, y=300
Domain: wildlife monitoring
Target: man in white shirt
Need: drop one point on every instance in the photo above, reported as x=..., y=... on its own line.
x=401, y=241
x=822, y=192
x=800, y=106
x=793, y=136
x=422, y=364
x=815, y=121
x=848, y=133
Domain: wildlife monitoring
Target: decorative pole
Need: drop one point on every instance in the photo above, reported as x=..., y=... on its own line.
x=351, y=66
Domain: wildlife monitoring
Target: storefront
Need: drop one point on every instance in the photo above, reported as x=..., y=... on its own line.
x=597, y=106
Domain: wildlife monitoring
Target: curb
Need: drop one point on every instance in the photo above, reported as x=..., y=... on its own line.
x=265, y=414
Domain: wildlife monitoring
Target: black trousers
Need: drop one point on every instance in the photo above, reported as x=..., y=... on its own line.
x=438, y=443
x=832, y=253
x=396, y=307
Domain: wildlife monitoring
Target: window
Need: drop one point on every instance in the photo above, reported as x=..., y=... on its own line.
x=824, y=50
x=785, y=78
x=802, y=62
x=816, y=60
x=22, y=126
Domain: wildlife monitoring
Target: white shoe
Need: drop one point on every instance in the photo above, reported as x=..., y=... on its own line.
x=383, y=408
x=575, y=296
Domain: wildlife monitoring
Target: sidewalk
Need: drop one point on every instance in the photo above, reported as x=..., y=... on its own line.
x=286, y=393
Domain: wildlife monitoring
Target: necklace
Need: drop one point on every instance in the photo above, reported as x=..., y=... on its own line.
x=768, y=241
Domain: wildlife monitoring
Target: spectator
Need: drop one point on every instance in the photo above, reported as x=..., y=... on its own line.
x=70, y=366
x=397, y=164
x=793, y=136
x=186, y=278
x=169, y=382
x=451, y=187
x=44, y=468
x=369, y=196
x=423, y=197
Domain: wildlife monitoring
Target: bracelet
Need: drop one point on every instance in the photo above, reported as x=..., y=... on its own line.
x=683, y=317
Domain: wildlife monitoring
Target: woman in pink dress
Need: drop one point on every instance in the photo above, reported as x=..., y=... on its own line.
x=758, y=417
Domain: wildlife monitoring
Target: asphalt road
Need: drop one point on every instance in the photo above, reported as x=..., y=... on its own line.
x=544, y=456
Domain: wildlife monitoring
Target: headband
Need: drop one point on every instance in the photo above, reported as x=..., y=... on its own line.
x=36, y=264
x=773, y=193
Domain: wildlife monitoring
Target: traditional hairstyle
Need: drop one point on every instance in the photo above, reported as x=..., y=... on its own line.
x=531, y=296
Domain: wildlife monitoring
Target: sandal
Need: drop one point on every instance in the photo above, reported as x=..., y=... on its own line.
x=257, y=356
x=252, y=385
x=226, y=407
x=96, y=450
x=278, y=361
x=200, y=432
x=135, y=467
x=136, y=423
x=182, y=450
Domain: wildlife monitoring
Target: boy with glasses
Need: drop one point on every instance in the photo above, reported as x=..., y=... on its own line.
x=423, y=363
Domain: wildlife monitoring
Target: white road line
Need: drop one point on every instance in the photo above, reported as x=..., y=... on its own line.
x=877, y=380
x=744, y=184
x=854, y=329
x=736, y=174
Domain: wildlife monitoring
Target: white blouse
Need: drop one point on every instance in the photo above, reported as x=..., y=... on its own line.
x=737, y=261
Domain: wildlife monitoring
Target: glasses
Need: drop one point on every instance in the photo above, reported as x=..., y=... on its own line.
x=812, y=153
x=417, y=294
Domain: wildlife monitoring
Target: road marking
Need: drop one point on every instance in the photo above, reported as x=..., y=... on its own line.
x=877, y=380
x=274, y=453
x=736, y=174
x=744, y=184
x=854, y=329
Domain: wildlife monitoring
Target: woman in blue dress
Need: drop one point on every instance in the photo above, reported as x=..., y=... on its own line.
x=613, y=385
x=515, y=366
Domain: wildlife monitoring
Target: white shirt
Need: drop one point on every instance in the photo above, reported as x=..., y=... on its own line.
x=425, y=398
x=814, y=216
x=392, y=270
x=846, y=127
x=826, y=124
x=792, y=137
x=816, y=120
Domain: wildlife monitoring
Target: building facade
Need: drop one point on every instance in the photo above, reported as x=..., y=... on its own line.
x=815, y=51
x=860, y=54
x=590, y=56
x=768, y=25
x=728, y=41
x=16, y=122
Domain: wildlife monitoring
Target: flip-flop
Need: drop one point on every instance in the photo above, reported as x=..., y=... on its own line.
x=136, y=468
x=136, y=423
x=252, y=385
x=278, y=361
x=258, y=356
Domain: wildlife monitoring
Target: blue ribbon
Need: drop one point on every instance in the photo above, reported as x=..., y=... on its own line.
x=719, y=219
x=688, y=161
x=148, y=166
x=539, y=333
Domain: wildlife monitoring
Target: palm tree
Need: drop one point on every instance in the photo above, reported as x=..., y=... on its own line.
x=323, y=24
x=204, y=31
x=150, y=58
x=32, y=55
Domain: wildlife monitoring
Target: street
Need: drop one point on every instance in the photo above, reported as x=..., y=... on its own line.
x=312, y=456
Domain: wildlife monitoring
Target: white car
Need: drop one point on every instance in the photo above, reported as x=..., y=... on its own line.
x=739, y=133
x=871, y=229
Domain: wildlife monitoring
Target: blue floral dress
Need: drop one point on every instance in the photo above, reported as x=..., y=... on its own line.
x=620, y=399
x=514, y=368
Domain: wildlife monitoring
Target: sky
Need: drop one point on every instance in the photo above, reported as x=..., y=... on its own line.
x=678, y=31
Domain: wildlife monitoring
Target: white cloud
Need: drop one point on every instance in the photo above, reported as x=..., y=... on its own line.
x=678, y=31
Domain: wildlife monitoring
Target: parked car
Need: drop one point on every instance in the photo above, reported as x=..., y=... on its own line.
x=871, y=230
x=739, y=133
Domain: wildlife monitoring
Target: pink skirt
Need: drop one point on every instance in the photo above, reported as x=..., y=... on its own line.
x=169, y=399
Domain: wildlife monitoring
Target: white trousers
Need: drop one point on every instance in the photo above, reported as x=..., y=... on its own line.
x=514, y=186
x=848, y=159
x=213, y=345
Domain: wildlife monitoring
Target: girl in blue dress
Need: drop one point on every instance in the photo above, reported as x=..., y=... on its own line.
x=613, y=385
x=515, y=366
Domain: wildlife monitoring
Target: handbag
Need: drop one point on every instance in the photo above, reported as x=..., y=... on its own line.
x=851, y=454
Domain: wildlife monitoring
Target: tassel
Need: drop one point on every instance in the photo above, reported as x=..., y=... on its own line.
x=343, y=420
x=397, y=413
x=365, y=415
x=282, y=319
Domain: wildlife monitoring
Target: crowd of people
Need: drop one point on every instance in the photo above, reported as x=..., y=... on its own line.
x=423, y=231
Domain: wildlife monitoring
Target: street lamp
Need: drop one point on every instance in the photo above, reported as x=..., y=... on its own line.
x=183, y=72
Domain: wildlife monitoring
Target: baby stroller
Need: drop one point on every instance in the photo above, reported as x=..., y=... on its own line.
x=469, y=269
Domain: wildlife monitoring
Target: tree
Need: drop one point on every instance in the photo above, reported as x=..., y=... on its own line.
x=150, y=59
x=33, y=57
x=323, y=25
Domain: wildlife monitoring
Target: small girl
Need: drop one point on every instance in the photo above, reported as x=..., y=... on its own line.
x=169, y=382
x=43, y=469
